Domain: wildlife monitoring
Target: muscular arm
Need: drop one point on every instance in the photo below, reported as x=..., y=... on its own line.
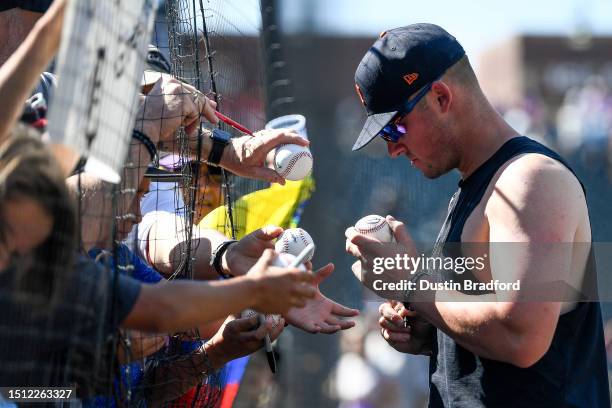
x=535, y=201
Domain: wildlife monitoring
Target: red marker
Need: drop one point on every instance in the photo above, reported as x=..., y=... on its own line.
x=233, y=123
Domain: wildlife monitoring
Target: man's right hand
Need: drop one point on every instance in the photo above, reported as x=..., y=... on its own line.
x=413, y=339
x=276, y=290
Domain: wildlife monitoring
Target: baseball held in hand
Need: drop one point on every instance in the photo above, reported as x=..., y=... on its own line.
x=292, y=162
x=293, y=241
x=376, y=227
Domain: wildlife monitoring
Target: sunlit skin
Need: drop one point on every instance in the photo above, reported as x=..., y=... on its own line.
x=428, y=142
x=27, y=226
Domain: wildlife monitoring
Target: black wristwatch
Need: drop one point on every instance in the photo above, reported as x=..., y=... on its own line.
x=217, y=255
x=220, y=139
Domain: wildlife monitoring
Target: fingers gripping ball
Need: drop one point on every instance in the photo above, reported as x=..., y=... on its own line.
x=293, y=241
x=375, y=226
x=282, y=260
x=293, y=162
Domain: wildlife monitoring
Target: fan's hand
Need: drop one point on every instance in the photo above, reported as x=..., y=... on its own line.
x=321, y=314
x=241, y=337
x=169, y=105
x=241, y=256
x=246, y=155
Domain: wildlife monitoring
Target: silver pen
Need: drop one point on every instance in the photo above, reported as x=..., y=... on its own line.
x=262, y=319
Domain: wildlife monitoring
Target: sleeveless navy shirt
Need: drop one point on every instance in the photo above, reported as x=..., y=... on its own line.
x=572, y=373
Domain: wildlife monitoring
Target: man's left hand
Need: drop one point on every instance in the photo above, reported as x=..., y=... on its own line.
x=367, y=248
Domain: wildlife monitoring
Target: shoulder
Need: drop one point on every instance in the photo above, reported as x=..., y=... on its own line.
x=539, y=194
x=535, y=173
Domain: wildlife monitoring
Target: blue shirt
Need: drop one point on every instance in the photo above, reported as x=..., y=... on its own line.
x=128, y=264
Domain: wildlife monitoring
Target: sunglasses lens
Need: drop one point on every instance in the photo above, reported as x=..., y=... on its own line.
x=391, y=133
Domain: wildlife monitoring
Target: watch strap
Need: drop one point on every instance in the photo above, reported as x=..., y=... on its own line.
x=220, y=139
x=217, y=255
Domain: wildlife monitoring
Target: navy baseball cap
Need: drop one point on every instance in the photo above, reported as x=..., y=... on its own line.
x=400, y=62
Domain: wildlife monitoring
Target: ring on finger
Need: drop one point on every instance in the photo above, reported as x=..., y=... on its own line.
x=196, y=97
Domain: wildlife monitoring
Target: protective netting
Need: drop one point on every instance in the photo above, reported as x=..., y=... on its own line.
x=215, y=47
x=142, y=227
x=226, y=64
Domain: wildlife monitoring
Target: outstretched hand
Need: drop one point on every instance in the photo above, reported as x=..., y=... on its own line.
x=321, y=314
x=275, y=289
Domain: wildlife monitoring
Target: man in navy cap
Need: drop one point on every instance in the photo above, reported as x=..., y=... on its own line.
x=547, y=350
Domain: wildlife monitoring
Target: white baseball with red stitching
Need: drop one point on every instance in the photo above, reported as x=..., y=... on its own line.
x=293, y=162
x=375, y=226
x=293, y=241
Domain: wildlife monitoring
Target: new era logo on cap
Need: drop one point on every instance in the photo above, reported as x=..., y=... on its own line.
x=410, y=78
x=416, y=55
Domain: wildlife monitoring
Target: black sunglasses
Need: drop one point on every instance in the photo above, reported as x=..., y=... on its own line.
x=393, y=131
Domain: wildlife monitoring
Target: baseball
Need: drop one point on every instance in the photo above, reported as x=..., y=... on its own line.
x=293, y=162
x=293, y=241
x=375, y=226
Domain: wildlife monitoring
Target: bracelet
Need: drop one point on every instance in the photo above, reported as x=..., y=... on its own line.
x=217, y=255
x=147, y=142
